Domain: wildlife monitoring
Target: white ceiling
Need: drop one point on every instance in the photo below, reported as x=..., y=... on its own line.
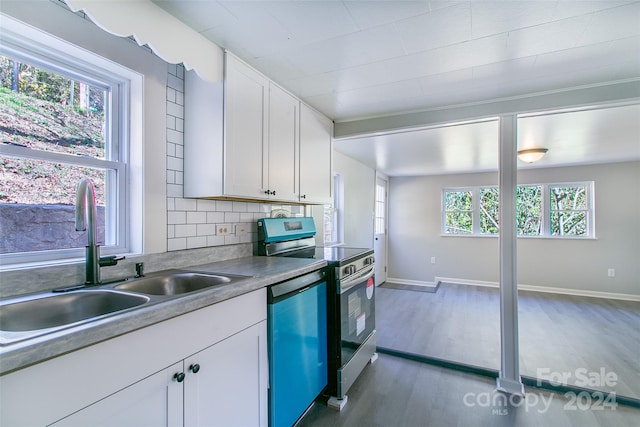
x=361, y=59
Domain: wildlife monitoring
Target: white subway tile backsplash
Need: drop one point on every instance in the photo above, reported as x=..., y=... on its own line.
x=175, y=82
x=176, y=217
x=171, y=149
x=206, y=229
x=231, y=217
x=246, y=217
x=171, y=177
x=176, y=244
x=196, y=242
x=186, y=230
x=206, y=205
x=240, y=206
x=215, y=240
x=215, y=217
x=186, y=205
x=196, y=217
x=175, y=137
x=174, y=190
x=175, y=110
x=224, y=206
x=171, y=94
x=174, y=163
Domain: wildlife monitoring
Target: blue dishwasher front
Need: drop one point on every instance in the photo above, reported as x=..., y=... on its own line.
x=297, y=345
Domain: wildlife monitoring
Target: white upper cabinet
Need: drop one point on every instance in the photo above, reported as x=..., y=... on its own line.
x=316, y=178
x=243, y=140
x=283, y=145
x=246, y=99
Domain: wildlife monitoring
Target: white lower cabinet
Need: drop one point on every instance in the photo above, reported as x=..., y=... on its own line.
x=155, y=401
x=149, y=377
x=211, y=388
x=232, y=375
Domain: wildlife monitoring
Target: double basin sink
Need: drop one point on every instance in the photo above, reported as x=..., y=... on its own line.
x=47, y=312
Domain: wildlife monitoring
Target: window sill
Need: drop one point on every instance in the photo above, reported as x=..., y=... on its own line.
x=484, y=236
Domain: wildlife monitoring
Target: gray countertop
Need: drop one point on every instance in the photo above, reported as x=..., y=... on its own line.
x=262, y=271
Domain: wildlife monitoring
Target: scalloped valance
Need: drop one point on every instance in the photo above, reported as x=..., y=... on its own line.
x=150, y=25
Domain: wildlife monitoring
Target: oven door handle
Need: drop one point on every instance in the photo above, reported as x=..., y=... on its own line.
x=345, y=285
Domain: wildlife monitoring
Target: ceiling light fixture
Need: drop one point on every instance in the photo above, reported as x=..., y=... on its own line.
x=530, y=155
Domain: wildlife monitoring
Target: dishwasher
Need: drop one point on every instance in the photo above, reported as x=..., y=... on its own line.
x=297, y=346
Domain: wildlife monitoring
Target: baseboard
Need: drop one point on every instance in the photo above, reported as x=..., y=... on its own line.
x=412, y=282
x=546, y=289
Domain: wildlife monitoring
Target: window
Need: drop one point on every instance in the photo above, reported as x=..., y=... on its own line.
x=380, y=202
x=569, y=210
x=62, y=117
x=563, y=210
x=458, y=212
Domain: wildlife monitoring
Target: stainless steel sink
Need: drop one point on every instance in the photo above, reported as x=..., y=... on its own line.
x=176, y=283
x=32, y=316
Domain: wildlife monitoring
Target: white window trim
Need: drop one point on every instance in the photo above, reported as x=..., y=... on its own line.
x=546, y=211
x=40, y=48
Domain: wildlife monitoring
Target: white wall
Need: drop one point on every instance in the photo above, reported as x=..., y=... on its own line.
x=359, y=189
x=414, y=234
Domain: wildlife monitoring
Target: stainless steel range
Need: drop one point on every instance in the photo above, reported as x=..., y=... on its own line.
x=350, y=297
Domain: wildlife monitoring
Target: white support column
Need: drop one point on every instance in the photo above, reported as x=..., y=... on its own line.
x=509, y=379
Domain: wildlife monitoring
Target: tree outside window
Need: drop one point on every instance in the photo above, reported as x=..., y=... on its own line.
x=458, y=213
x=562, y=210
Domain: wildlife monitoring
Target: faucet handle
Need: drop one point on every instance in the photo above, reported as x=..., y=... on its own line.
x=108, y=261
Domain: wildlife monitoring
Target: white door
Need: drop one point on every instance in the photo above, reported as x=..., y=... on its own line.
x=380, y=232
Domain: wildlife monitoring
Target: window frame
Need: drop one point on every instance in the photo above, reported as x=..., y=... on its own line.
x=545, y=226
x=123, y=87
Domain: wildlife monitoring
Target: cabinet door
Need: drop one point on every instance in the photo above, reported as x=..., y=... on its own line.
x=283, y=144
x=246, y=100
x=316, y=177
x=155, y=401
x=230, y=387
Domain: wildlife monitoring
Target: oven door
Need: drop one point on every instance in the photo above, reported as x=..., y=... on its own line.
x=357, y=312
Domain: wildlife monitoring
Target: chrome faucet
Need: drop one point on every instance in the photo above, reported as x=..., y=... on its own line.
x=86, y=217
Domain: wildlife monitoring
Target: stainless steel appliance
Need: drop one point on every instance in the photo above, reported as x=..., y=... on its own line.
x=351, y=330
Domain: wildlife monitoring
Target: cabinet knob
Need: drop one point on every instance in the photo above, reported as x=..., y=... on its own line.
x=179, y=376
x=267, y=192
x=304, y=196
x=273, y=192
x=194, y=368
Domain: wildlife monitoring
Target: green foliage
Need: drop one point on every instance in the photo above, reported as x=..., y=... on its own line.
x=567, y=210
x=489, y=210
x=529, y=210
x=567, y=207
x=49, y=86
x=458, y=215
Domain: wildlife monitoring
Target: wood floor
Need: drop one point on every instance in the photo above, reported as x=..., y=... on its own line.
x=559, y=333
x=394, y=392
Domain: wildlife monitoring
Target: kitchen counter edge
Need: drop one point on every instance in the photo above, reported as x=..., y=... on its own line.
x=260, y=272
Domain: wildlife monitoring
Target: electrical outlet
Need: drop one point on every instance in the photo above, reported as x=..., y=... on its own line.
x=223, y=229
x=433, y=260
x=241, y=230
x=611, y=272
